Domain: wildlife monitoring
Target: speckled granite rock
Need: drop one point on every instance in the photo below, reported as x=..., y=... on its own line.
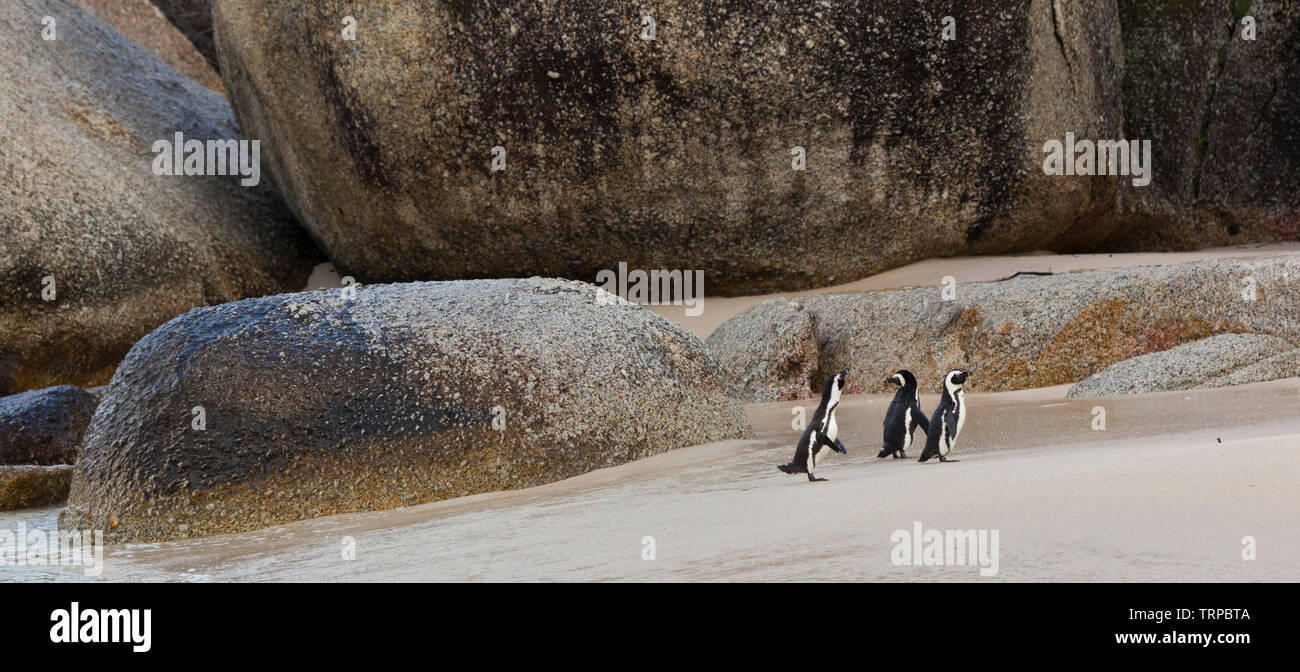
x=1284, y=365
x=1224, y=116
x=777, y=364
x=145, y=25
x=44, y=426
x=23, y=487
x=676, y=152
x=318, y=404
x=1190, y=365
x=79, y=202
x=1032, y=331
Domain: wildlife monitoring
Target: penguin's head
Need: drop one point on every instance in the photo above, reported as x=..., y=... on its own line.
x=835, y=382
x=956, y=378
x=901, y=378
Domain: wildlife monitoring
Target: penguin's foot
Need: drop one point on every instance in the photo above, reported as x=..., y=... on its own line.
x=900, y=455
x=944, y=459
x=786, y=468
x=814, y=479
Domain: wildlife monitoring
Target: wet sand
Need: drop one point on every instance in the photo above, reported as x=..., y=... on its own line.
x=931, y=272
x=1155, y=496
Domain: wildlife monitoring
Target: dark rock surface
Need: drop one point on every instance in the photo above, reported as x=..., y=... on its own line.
x=44, y=426
x=1223, y=115
x=194, y=19
x=675, y=152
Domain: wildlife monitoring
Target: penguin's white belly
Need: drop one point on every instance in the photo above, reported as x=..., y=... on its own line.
x=907, y=435
x=961, y=414
x=833, y=430
x=949, y=441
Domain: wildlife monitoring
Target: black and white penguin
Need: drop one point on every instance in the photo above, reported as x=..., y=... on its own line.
x=821, y=433
x=904, y=415
x=948, y=418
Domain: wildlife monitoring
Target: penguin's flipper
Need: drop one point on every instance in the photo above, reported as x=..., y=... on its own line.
x=823, y=440
x=919, y=418
x=949, y=428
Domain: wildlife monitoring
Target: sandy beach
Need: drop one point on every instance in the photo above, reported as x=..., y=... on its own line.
x=1166, y=492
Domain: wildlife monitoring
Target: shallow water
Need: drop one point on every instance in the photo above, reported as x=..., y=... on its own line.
x=1154, y=496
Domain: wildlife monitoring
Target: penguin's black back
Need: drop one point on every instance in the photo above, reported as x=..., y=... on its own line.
x=896, y=419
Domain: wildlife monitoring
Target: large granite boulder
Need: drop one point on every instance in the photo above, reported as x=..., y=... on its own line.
x=1283, y=365
x=674, y=152
x=95, y=249
x=44, y=426
x=773, y=359
x=269, y=410
x=1210, y=362
x=1028, y=331
x=1223, y=114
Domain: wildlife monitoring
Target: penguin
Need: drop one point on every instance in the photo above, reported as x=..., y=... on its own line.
x=821, y=433
x=948, y=418
x=903, y=417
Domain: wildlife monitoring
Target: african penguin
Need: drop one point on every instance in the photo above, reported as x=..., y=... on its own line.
x=948, y=418
x=903, y=416
x=822, y=432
